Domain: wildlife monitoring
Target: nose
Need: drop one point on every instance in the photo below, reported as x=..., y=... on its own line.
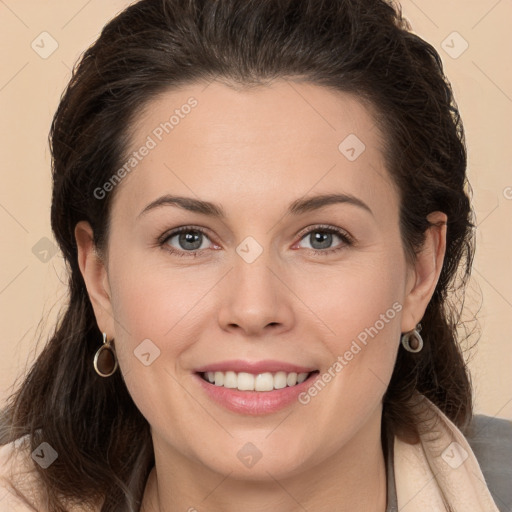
x=256, y=298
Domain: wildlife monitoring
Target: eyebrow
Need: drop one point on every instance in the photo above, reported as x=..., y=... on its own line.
x=297, y=207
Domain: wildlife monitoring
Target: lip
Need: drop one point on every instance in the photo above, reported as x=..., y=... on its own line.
x=254, y=367
x=254, y=403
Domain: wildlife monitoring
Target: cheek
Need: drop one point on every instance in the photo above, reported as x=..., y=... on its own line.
x=160, y=312
x=152, y=309
x=358, y=308
x=354, y=295
x=150, y=296
x=360, y=318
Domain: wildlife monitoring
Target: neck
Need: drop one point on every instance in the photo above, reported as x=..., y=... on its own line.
x=352, y=479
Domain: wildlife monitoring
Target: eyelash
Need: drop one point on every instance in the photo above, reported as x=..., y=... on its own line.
x=343, y=235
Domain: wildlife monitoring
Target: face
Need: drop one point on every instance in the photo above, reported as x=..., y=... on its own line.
x=311, y=286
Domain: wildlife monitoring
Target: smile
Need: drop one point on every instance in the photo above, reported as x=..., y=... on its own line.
x=254, y=394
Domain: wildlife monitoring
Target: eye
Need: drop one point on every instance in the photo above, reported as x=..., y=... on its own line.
x=321, y=239
x=189, y=241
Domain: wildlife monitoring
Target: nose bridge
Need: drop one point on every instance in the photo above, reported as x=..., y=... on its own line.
x=254, y=292
x=252, y=273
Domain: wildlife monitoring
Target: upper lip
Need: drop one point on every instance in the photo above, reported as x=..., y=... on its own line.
x=255, y=367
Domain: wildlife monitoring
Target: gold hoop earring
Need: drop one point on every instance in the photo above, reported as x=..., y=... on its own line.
x=412, y=341
x=105, y=360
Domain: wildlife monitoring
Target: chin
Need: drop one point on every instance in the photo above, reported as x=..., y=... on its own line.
x=249, y=463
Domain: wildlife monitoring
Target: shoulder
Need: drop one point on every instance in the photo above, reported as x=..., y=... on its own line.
x=490, y=439
x=21, y=489
x=15, y=469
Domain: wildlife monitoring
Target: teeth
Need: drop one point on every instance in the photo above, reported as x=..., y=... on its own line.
x=263, y=382
x=280, y=381
x=302, y=377
x=230, y=380
x=249, y=382
x=291, y=379
x=245, y=381
x=219, y=379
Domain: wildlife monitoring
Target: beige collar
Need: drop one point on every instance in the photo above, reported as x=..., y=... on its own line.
x=440, y=473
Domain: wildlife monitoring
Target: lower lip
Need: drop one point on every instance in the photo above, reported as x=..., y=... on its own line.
x=255, y=402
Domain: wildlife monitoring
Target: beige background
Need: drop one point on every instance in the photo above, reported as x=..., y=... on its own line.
x=32, y=278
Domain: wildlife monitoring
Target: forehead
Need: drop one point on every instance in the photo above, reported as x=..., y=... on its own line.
x=255, y=114
x=252, y=144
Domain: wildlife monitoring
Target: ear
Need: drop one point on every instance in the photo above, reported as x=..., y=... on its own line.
x=423, y=278
x=96, y=278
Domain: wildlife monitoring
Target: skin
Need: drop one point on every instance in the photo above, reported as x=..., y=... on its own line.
x=254, y=152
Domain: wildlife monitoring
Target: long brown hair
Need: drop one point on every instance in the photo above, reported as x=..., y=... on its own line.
x=363, y=47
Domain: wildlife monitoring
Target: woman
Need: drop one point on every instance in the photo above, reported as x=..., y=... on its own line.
x=304, y=358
